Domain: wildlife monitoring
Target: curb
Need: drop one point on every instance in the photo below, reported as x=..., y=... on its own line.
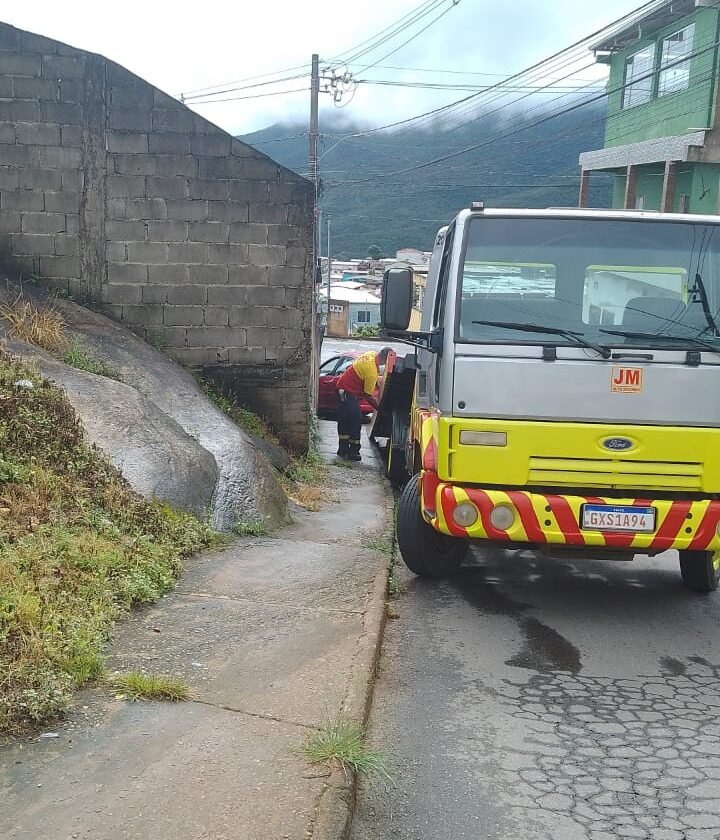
x=333, y=818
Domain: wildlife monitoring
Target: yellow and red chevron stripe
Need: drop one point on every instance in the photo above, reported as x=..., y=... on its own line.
x=554, y=519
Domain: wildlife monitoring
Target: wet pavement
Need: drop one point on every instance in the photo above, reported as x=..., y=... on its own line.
x=552, y=699
x=275, y=636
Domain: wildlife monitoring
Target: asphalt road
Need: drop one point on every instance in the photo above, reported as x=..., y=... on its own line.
x=335, y=346
x=545, y=699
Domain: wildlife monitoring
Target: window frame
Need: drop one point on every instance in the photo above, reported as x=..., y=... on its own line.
x=677, y=64
x=629, y=85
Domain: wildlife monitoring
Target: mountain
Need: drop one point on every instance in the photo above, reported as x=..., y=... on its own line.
x=378, y=191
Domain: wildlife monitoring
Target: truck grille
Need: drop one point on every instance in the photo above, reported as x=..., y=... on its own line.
x=612, y=472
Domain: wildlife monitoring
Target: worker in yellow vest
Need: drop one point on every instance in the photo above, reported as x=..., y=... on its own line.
x=359, y=380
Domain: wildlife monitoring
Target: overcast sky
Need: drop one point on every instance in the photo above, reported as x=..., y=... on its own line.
x=182, y=48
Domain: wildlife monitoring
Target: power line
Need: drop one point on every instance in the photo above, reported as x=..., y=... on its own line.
x=253, y=96
x=541, y=121
x=442, y=14
x=387, y=34
x=445, y=109
x=200, y=96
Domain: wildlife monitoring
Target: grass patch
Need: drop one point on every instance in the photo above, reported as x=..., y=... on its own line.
x=78, y=548
x=76, y=355
x=308, y=469
x=342, y=462
x=305, y=479
x=251, y=528
x=381, y=543
x=343, y=742
x=396, y=586
x=241, y=415
x=139, y=686
x=44, y=326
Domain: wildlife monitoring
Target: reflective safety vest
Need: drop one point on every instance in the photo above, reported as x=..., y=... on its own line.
x=361, y=377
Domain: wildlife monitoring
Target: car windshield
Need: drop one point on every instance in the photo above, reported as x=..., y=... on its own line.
x=636, y=281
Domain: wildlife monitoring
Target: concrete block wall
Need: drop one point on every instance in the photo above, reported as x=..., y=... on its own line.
x=120, y=194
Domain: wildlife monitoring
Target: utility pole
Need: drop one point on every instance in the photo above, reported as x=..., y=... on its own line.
x=313, y=155
x=329, y=264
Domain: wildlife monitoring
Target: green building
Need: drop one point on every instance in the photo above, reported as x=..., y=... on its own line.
x=662, y=137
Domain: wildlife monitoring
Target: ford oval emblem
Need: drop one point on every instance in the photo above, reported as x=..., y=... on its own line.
x=617, y=444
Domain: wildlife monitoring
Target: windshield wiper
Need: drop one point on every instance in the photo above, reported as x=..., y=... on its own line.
x=571, y=335
x=689, y=339
x=702, y=292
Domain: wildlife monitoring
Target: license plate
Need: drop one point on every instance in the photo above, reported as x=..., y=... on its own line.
x=618, y=518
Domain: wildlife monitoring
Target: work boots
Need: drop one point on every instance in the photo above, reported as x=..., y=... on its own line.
x=354, y=452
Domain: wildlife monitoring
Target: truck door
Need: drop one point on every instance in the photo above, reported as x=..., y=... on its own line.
x=428, y=382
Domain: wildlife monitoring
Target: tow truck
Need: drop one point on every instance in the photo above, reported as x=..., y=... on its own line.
x=562, y=392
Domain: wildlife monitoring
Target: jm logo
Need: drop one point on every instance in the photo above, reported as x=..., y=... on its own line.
x=626, y=380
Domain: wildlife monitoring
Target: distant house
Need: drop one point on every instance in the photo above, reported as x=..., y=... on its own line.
x=413, y=256
x=350, y=307
x=662, y=138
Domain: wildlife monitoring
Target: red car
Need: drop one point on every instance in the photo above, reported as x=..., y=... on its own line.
x=330, y=371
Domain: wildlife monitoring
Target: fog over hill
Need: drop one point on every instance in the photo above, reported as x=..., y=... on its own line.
x=378, y=190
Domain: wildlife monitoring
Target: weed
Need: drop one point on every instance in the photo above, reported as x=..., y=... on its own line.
x=307, y=469
x=396, y=586
x=381, y=543
x=304, y=481
x=252, y=423
x=342, y=462
x=77, y=548
x=256, y=527
x=343, y=742
x=391, y=612
x=139, y=686
x=44, y=327
x=76, y=355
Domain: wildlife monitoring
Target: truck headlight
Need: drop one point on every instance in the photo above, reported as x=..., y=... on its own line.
x=465, y=515
x=502, y=517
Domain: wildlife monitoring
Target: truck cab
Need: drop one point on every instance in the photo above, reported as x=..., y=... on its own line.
x=566, y=388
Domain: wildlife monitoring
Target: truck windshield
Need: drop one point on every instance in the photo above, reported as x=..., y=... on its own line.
x=644, y=282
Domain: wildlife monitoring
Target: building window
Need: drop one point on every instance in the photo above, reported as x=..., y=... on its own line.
x=638, y=77
x=363, y=316
x=675, y=61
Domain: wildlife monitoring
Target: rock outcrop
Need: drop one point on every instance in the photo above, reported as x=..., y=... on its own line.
x=158, y=426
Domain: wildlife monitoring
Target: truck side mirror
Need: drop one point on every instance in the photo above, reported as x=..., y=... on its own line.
x=397, y=298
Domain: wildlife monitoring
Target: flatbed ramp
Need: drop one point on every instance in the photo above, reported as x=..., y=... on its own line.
x=392, y=419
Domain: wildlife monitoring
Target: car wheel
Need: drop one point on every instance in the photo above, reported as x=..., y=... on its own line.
x=424, y=551
x=700, y=570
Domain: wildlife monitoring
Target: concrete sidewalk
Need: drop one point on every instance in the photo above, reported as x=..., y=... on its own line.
x=274, y=636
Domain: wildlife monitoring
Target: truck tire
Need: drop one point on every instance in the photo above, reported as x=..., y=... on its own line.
x=699, y=570
x=423, y=550
x=395, y=463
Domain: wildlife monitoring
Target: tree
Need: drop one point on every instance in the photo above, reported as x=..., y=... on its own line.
x=374, y=252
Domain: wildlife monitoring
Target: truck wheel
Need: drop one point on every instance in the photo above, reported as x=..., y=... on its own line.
x=699, y=570
x=395, y=464
x=424, y=551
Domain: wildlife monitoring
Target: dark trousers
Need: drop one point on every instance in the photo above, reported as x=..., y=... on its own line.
x=349, y=423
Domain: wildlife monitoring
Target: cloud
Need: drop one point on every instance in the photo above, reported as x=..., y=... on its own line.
x=217, y=42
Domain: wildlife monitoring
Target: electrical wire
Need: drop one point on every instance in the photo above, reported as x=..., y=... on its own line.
x=545, y=64
x=540, y=121
x=453, y=4
x=196, y=99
